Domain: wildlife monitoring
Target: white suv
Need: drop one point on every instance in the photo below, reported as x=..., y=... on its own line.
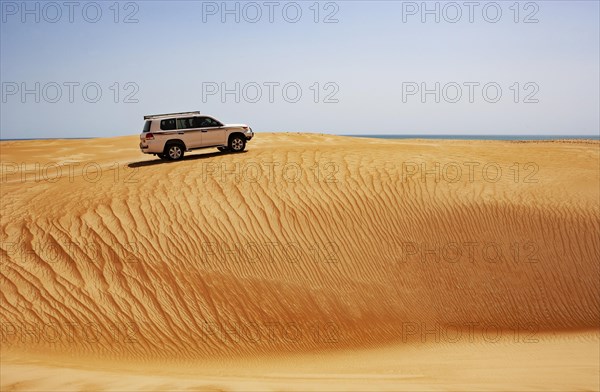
x=170, y=135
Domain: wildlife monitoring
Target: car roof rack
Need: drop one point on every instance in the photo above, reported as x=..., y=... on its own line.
x=151, y=116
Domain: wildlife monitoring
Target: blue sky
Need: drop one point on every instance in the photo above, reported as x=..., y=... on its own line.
x=364, y=72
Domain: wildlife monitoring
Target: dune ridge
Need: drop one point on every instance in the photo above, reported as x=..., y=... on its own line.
x=303, y=243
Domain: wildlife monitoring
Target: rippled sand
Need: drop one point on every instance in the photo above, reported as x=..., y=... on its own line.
x=309, y=262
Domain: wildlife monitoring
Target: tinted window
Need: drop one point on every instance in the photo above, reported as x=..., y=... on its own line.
x=168, y=124
x=205, y=122
x=215, y=123
x=197, y=122
x=185, y=123
x=147, y=126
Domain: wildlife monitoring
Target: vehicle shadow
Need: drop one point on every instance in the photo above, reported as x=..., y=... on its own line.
x=193, y=157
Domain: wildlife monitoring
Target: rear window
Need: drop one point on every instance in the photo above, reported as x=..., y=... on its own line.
x=168, y=124
x=147, y=126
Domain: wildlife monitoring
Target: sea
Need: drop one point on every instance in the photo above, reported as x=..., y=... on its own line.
x=481, y=137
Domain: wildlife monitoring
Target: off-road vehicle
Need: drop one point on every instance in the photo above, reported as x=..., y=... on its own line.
x=170, y=135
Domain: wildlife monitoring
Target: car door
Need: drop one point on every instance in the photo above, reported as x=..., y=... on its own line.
x=189, y=132
x=213, y=133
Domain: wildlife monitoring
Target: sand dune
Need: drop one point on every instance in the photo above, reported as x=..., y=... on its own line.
x=308, y=245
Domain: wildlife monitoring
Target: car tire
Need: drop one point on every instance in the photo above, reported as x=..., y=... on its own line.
x=174, y=151
x=237, y=143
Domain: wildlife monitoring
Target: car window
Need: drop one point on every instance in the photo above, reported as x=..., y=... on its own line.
x=185, y=123
x=197, y=122
x=168, y=124
x=214, y=123
x=206, y=122
x=147, y=126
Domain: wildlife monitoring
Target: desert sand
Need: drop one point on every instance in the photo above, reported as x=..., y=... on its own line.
x=308, y=262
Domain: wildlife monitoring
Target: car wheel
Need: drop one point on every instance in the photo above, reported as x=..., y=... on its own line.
x=237, y=144
x=174, y=152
